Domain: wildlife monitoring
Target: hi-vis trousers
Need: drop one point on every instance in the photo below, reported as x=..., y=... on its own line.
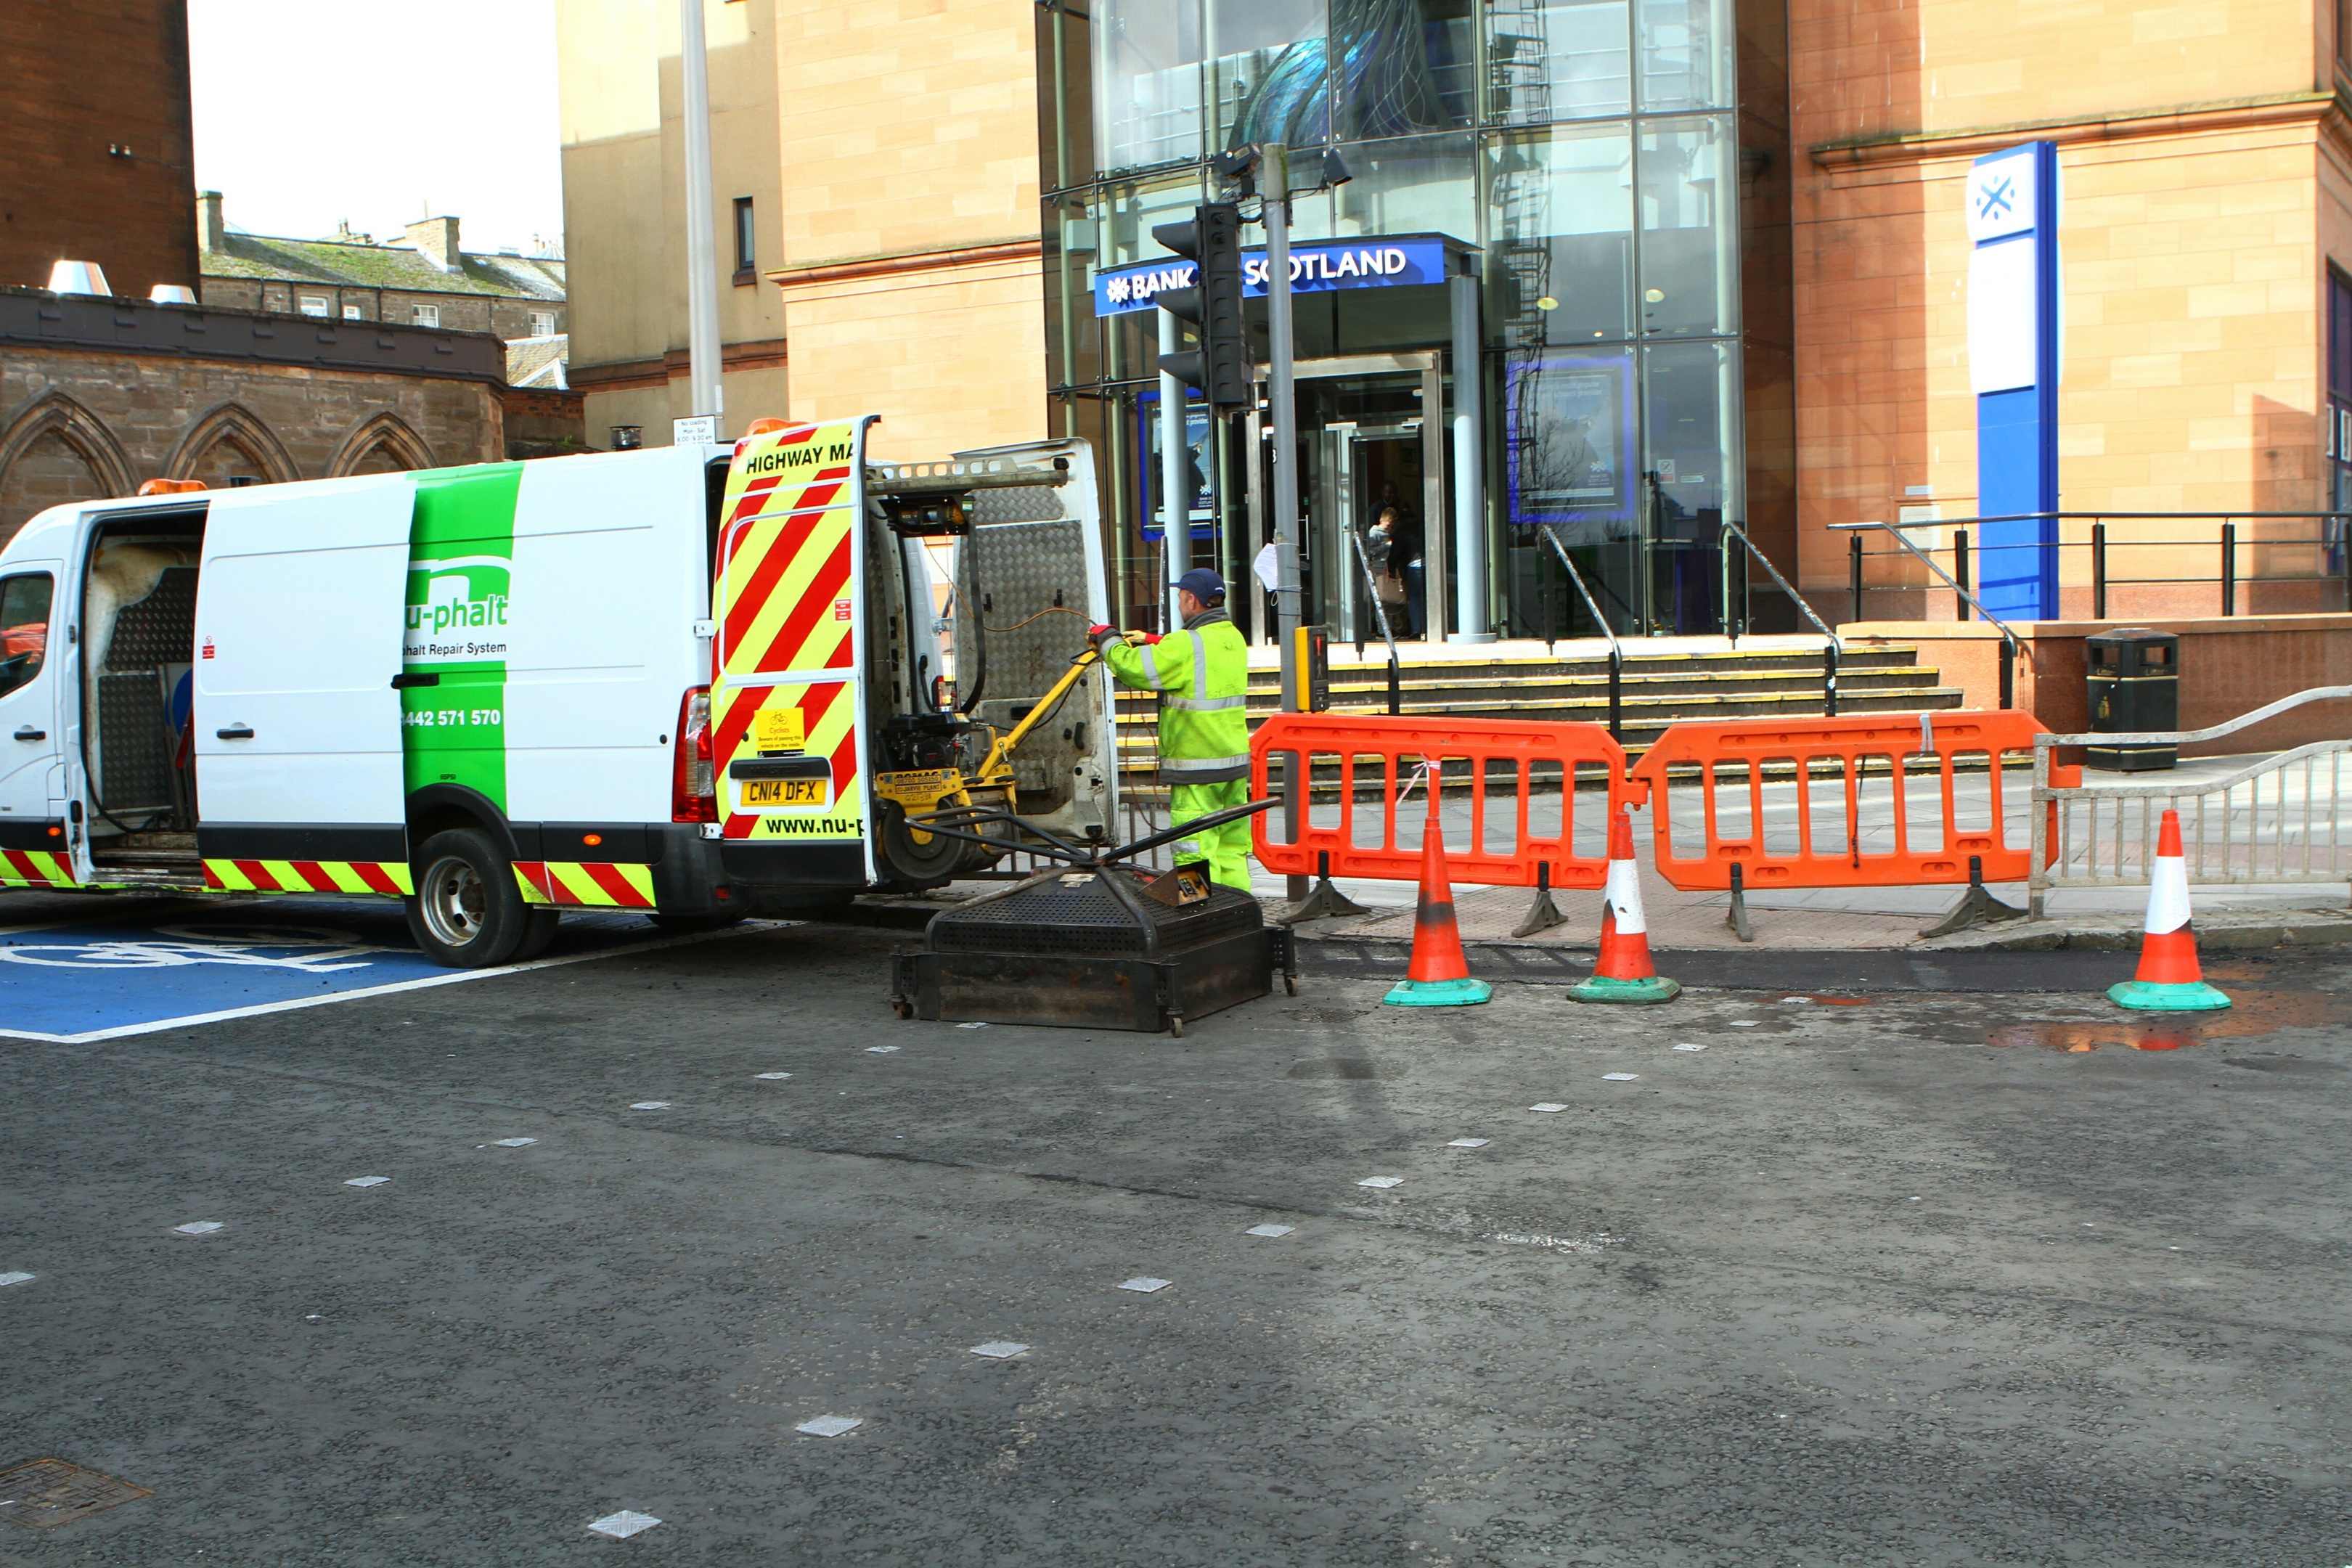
x=1227, y=848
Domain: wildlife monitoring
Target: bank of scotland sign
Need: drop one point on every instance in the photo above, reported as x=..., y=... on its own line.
x=1315, y=268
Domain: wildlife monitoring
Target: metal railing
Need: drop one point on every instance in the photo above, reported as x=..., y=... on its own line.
x=1380, y=613
x=2010, y=645
x=2321, y=546
x=1828, y=652
x=2277, y=819
x=1616, y=648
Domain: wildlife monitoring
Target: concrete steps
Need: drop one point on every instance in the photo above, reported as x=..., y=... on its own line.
x=1656, y=690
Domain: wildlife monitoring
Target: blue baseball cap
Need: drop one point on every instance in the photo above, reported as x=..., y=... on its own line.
x=1203, y=585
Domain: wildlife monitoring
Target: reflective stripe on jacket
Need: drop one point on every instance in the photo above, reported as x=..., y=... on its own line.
x=1202, y=674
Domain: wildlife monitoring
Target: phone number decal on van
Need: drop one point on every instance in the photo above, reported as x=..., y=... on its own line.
x=444, y=717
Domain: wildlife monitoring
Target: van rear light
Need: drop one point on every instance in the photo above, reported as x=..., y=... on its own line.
x=694, y=775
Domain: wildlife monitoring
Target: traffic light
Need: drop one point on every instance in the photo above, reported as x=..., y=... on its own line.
x=1220, y=367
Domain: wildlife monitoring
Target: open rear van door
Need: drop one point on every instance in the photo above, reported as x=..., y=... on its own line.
x=300, y=610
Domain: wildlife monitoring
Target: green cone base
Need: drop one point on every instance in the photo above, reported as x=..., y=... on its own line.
x=1439, y=994
x=1601, y=988
x=2194, y=996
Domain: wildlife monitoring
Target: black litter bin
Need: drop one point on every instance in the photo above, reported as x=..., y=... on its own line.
x=2135, y=678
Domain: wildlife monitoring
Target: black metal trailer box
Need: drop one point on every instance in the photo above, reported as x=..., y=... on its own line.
x=1092, y=948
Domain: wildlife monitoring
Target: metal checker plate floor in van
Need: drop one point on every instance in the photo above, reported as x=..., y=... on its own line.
x=87, y=979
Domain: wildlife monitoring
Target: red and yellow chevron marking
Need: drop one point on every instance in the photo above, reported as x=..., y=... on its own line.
x=35, y=868
x=788, y=606
x=785, y=586
x=829, y=719
x=595, y=884
x=386, y=876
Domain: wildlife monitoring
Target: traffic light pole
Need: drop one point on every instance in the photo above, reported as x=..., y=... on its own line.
x=1175, y=506
x=1281, y=392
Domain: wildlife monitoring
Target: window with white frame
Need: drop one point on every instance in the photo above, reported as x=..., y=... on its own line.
x=542, y=323
x=425, y=315
x=352, y=314
x=314, y=304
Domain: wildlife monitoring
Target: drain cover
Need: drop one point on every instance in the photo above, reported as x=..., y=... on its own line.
x=50, y=1492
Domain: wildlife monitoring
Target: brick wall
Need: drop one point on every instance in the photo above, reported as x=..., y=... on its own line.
x=82, y=75
x=543, y=422
x=2201, y=194
x=136, y=417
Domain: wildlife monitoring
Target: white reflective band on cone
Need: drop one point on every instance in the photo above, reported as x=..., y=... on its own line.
x=2168, y=896
x=1623, y=894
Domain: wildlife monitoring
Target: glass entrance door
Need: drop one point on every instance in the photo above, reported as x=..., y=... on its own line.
x=1369, y=533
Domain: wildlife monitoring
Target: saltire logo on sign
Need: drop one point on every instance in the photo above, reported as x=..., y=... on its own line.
x=791, y=597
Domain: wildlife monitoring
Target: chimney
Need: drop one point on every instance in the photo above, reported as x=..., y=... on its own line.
x=435, y=239
x=212, y=228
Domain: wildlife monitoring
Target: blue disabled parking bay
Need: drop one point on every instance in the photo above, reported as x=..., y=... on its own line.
x=93, y=979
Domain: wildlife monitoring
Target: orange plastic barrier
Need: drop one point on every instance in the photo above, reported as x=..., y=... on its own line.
x=1356, y=836
x=1787, y=764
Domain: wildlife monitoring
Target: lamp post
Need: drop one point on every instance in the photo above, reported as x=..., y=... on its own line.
x=701, y=242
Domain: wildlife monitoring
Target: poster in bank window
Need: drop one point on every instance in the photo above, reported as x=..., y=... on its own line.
x=1568, y=441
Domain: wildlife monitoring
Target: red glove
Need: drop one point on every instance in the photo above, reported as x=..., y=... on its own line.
x=1151, y=640
x=1096, y=633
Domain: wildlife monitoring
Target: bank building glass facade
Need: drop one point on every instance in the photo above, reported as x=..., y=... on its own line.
x=1580, y=161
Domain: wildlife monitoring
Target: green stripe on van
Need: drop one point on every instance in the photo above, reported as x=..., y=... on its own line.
x=460, y=574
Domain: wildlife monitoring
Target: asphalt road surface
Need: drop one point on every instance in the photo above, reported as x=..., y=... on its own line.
x=1935, y=1278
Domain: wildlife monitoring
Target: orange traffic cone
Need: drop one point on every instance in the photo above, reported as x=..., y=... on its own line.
x=1439, y=976
x=1625, y=972
x=2170, y=980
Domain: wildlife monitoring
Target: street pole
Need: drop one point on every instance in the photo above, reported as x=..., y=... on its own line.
x=1281, y=393
x=1175, y=505
x=701, y=242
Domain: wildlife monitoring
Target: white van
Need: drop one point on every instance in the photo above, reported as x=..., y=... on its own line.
x=500, y=691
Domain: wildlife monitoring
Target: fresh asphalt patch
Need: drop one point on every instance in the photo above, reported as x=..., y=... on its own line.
x=1857, y=1283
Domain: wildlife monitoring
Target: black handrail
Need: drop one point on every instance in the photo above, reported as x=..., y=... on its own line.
x=1829, y=651
x=2009, y=643
x=1616, y=650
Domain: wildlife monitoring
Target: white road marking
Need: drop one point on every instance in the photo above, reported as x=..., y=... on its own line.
x=624, y=1524
x=831, y=1426
x=1382, y=1181
x=14, y=1278
x=1144, y=1284
x=1547, y=1107
x=649, y=1105
x=1270, y=1230
x=454, y=977
x=1619, y=1077
x=197, y=1227
x=367, y=1180
x=514, y=1143
x=1468, y=1143
x=999, y=1350
x=770, y=1076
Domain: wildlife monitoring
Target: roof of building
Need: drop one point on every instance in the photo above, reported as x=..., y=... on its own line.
x=537, y=362
x=356, y=265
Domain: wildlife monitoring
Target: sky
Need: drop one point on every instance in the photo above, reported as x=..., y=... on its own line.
x=309, y=113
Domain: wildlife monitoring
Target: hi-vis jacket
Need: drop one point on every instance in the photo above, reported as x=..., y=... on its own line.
x=1202, y=674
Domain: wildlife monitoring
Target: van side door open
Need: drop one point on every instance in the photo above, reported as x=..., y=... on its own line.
x=299, y=609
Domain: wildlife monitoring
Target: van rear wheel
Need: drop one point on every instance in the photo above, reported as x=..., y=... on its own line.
x=467, y=913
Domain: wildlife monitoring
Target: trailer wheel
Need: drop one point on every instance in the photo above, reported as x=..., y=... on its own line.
x=467, y=913
x=1290, y=984
x=1175, y=1026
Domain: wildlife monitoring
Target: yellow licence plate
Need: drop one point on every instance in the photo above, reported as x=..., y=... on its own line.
x=783, y=792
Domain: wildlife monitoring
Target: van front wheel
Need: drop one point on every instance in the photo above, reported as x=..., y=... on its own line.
x=467, y=913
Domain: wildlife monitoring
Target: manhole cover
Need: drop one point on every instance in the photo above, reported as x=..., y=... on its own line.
x=48, y=1493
